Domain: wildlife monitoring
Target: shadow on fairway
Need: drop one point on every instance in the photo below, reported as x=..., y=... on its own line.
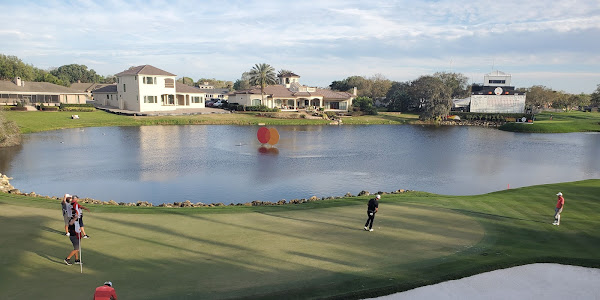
x=316, y=221
x=160, y=229
x=52, y=230
x=488, y=215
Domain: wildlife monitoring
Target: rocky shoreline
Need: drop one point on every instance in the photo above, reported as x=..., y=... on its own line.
x=6, y=187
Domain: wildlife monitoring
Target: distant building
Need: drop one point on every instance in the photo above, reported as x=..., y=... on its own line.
x=31, y=93
x=497, y=95
x=147, y=88
x=87, y=88
x=106, y=96
x=289, y=94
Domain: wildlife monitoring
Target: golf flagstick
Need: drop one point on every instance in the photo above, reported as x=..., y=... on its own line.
x=80, y=256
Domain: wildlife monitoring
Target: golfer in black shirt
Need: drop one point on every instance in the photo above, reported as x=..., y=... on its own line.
x=371, y=211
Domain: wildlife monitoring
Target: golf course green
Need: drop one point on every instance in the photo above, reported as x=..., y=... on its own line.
x=312, y=250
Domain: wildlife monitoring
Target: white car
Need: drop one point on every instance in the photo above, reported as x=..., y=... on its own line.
x=219, y=103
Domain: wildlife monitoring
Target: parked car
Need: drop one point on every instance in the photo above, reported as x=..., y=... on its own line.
x=210, y=103
x=220, y=103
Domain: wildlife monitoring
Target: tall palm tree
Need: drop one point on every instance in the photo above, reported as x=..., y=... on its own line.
x=263, y=75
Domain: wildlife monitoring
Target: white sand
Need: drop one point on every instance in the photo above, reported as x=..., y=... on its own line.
x=535, y=281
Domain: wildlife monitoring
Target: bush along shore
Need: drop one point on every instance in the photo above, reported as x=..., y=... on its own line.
x=6, y=187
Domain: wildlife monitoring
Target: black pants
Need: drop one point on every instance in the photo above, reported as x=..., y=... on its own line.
x=371, y=218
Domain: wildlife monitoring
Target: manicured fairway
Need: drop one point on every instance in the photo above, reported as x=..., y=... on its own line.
x=315, y=250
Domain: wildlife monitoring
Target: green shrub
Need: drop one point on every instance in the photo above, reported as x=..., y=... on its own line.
x=262, y=108
x=77, y=107
x=18, y=108
x=331, y=114
x=10, y=135
x=50, y=108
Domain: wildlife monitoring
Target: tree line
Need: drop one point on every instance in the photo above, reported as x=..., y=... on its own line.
x=12, y=66
x=431, y=95
x=215, y=83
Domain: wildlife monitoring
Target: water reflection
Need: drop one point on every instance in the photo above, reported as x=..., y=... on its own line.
x=268, y=150
x=6, y=156
x=228, y=164
x=591, y=160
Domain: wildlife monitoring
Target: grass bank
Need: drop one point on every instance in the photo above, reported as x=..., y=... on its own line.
x=550, y=122
x=29, y=122
x=38, y=121
x=313, y=250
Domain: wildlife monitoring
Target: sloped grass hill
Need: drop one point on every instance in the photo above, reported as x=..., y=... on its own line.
x=312, y=250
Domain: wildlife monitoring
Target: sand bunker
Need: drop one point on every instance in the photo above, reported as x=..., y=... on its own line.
x=535, y=281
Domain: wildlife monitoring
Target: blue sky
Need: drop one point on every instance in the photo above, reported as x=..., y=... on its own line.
x=551, y=43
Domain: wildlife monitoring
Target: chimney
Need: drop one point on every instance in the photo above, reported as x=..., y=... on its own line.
x=354, y=91
x=17, y=81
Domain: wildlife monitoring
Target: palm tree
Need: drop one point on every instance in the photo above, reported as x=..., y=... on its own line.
x=284, y=72
x=263, y=75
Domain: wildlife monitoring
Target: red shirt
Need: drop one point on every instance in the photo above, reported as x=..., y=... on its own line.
x=105, y=292
x=561, y=202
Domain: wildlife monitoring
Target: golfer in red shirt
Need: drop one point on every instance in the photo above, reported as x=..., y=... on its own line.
x=559, y=207
x=105, y=292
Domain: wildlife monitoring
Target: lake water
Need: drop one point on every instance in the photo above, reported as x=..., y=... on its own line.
x=210, y=164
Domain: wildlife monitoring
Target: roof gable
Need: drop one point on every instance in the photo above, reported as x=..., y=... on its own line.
x=111, y=88
x=184, y=88
x=144, y=70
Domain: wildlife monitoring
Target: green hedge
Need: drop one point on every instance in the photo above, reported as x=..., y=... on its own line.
x=77, y=107
x=261, y=108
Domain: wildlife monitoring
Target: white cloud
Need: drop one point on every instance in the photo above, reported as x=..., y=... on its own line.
x=323, y=40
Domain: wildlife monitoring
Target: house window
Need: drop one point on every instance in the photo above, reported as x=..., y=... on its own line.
x=150, y=99
x=124, y=88
x=149, y=80
x=290, y=102
x=255, y=102
x=106, y=96
x=344, y=105
x=169, y=83
x=196, y=99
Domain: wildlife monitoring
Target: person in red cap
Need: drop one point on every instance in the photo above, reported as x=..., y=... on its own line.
x=105, y=292
x=560, y=203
